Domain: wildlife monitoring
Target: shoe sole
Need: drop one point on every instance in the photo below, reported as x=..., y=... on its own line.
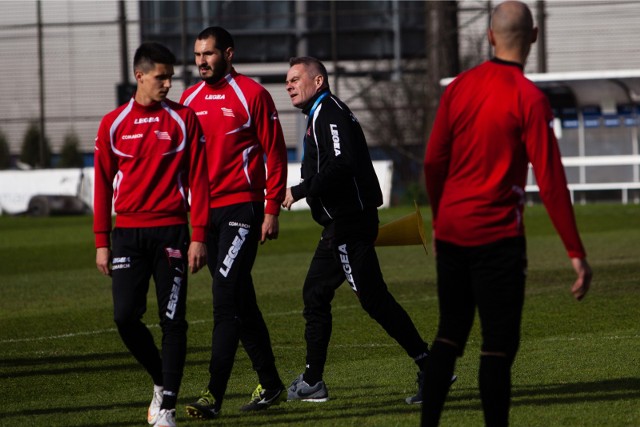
x=194, y=412
x=309, y=399
x=315, y=400
x=416, y=402
x=275, y=401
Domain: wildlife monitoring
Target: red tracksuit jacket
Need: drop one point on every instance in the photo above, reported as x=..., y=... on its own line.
x=241, y=126
x=146, y=160
x=492, y=121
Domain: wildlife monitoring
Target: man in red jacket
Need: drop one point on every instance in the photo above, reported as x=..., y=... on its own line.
x=490, y=124
x=149, y=153
x=241, y=126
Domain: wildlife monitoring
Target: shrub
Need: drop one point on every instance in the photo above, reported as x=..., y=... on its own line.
x=70, y=156
x=414, y=192
x=5, y=154
x=30, y=152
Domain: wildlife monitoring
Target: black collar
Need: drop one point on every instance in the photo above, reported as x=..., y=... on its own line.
x=503, y=62
x=307, y=108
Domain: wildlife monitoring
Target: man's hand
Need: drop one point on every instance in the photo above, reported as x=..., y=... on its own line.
x=103, y=261
x=581, y=285
x=288, y=200
x=197, y=256
x=270, y=228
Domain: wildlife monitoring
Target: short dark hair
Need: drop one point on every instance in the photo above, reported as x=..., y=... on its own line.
x=312, y=62
x=222, y=36
x=151, y=53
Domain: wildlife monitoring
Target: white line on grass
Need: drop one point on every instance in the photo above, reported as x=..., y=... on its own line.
x=80, y=334
x=56, y=337
x=195, y=322
x=153, y=325
x=277, y=314
x=612, y=337
x=111, y=330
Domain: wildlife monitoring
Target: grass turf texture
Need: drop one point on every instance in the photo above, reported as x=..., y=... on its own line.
x=63, y=364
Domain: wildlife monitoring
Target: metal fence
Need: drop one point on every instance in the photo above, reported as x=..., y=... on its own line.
x=61, y=65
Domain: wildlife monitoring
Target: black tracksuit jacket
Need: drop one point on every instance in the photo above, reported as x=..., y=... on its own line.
x=338, y=178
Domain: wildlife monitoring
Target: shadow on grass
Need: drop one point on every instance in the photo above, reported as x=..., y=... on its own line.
x=593, y=391
x=343, y=407
x=24, y=367
x=34, y=361
x=139, y=404
x=558, y=394
x=346, y=402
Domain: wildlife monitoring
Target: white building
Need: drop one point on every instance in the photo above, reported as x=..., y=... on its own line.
x=82, y=56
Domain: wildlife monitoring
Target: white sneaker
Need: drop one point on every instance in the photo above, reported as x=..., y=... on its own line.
x=154, y=407
x=166, y=418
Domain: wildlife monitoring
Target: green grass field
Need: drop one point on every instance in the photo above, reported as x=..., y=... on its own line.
x=63, y=364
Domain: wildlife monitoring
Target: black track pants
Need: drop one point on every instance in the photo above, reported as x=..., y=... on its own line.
x=139, y=254
x=346, y=252
x=232, y=246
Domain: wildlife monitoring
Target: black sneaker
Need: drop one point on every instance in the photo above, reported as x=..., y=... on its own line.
x=204, y=408
x=418, y=396
x=300, y=390
x=262, y=398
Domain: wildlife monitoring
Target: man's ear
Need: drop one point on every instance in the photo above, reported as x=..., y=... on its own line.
x=138, y=75
x=228, y=53
x=534, y=35
x=491, y=37
x=319, y=81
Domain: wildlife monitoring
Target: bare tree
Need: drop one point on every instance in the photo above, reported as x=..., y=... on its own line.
x=400, y=110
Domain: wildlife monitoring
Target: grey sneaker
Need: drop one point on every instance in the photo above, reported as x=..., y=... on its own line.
x=262, y=399
x=418, y=396
x=204, y=408
x=300, y=390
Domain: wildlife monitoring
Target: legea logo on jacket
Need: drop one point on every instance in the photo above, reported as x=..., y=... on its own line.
x=217, y=97
x=143, y=120
x=336, y=139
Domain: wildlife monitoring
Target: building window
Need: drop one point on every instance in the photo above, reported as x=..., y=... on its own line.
x=272, y=31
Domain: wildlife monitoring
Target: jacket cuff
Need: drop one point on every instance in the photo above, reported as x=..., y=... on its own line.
x=199, y=234
x=298, y=192
x=577, y=253
x=103, y=240
x=272, y=208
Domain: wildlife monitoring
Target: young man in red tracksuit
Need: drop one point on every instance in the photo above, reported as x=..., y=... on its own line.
x=241, y=125
x=490, y=124
x=149, y=153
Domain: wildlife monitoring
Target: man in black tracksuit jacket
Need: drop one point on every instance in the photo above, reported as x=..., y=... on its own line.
x=342, y=190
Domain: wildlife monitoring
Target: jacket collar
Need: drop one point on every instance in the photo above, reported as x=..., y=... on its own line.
x=307, y=108
x=224, y=80
x=503, y=62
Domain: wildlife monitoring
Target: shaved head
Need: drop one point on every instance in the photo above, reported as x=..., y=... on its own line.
x=512, y=28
